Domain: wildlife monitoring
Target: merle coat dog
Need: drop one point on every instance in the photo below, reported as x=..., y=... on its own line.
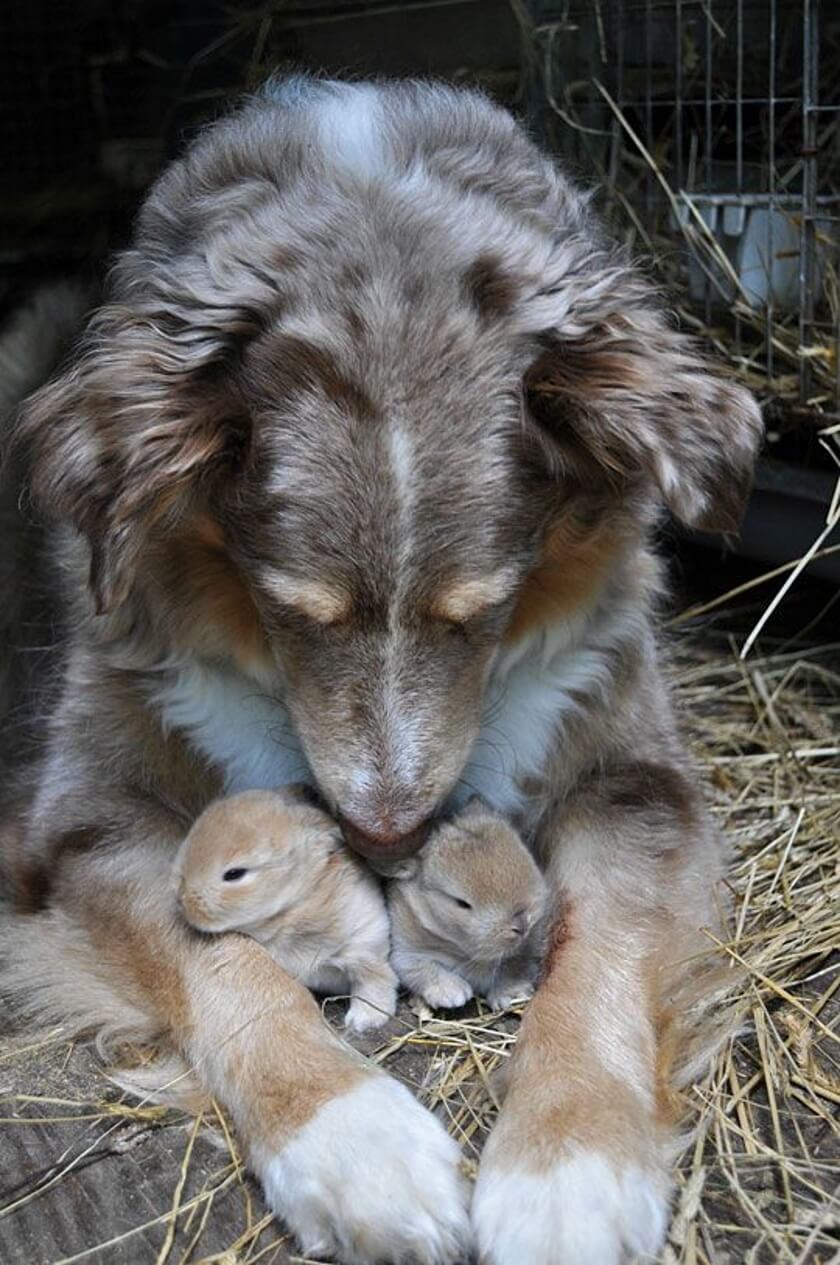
x=354, y=474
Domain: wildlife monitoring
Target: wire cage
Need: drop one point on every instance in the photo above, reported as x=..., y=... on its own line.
x=713, y=126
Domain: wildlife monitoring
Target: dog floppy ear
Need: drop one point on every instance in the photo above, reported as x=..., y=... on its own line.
x=631, y=398
x=130, y=436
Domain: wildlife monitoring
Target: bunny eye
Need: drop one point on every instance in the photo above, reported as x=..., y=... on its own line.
x=234, y=874
x=461, y=903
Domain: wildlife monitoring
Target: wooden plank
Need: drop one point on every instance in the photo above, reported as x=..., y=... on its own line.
x=79, y=1183
x=100, y=1189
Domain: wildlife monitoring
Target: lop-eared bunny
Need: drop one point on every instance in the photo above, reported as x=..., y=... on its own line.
x=274, y=866
x=466, y=915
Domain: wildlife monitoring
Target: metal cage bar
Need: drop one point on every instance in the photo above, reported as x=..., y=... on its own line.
x=808, y=242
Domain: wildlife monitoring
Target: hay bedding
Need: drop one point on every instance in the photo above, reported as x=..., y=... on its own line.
x=89, y=1175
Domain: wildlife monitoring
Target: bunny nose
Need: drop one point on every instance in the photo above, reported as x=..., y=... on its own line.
x=384, y=844
x=519, y=925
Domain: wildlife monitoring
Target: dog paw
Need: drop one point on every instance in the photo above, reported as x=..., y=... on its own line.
x=372, y=1179
x=446, y=991
x=510, y=994
x=580, y=1211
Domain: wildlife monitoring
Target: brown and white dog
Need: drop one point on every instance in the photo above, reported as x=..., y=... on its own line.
x=356, y=470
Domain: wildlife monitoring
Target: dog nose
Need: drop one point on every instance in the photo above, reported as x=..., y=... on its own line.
x=384, y=844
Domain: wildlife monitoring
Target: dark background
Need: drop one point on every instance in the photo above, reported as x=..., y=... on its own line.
x=95, y=96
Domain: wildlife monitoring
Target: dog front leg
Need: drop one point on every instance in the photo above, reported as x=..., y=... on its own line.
x=576, y=1171
x=351, y=1161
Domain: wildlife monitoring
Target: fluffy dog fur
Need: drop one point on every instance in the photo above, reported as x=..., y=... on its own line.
x=355, y=472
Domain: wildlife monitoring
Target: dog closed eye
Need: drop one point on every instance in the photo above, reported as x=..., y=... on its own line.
x=320, y=602
x=465, y=599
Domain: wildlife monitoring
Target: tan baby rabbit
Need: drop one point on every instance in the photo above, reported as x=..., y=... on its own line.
x=272, y=865
x=466, y=915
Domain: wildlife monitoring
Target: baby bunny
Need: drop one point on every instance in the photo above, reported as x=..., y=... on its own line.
x=270, y=864
x=466, y=914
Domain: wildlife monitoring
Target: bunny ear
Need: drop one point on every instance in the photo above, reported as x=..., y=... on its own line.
x=316, y=820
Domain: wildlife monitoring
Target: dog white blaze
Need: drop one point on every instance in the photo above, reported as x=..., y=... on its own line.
x=350, y=126
x=403, y=725
x=403, y=728
x=401, y=454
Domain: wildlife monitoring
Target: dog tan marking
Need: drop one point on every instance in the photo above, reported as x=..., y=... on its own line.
x=602, y=1051
x=559, y=1093
x=312, y=1061
x=462, y=600
x=319, y=602
x=568, y=579
x=212, y=608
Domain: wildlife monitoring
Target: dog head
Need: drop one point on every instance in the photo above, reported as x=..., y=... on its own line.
x=372, y=393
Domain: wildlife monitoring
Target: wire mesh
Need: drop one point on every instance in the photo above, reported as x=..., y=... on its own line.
x=713, y=127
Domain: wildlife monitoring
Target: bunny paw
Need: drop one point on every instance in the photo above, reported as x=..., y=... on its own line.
x=446, y=991
x=362, y=1017
x=510, y=994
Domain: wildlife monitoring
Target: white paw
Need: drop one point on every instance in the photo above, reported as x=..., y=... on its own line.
x=374, y=1002
x=362, y=1017
x=511, y=994
x=581, y=1211
x=446, y=992
x=372, y=1179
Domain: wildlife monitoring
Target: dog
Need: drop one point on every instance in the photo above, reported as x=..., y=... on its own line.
x=353, y=476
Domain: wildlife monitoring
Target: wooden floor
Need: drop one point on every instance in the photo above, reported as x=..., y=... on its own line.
x=86, y=1175
x=94, y=1183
